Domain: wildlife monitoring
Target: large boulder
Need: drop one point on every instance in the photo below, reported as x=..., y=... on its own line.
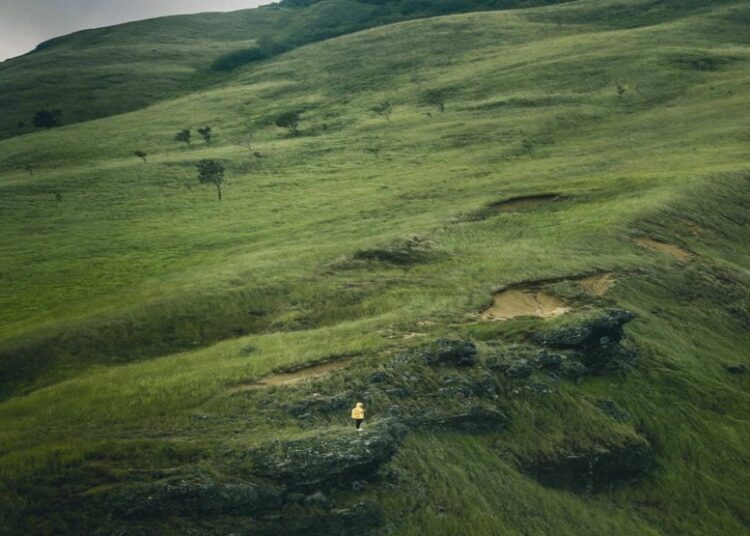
x=327, y=460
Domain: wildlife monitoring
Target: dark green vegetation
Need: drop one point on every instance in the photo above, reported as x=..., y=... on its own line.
x=576, y=140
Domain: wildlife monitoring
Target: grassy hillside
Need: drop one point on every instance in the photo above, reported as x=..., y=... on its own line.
x=141, y=307
x=107, y=71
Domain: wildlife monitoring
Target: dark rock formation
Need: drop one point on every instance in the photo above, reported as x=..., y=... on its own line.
x=574, y=369
x=319, y=403
x=588, y=332
x=194, y=495
x=612, y=410
x=474, y=419
x=327, y=460
x=520, y=361
x=596, y=469
x=548, y=360
x=317, y=500
x=596, y=339
x=358, y=520
x=520, y=368
x=452, y=353
x=736, y=368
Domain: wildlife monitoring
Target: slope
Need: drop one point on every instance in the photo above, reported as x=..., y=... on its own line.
x=106, y=71
x=366, y=238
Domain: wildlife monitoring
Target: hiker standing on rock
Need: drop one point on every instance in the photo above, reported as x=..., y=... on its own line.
x=358, y=414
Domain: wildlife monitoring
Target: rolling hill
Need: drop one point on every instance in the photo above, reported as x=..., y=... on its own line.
x=107, y=71
x=518, y=236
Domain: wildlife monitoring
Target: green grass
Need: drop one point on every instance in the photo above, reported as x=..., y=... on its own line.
x=132, y=298
x=107, y=71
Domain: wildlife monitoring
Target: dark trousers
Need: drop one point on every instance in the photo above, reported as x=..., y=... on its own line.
x=358, y=423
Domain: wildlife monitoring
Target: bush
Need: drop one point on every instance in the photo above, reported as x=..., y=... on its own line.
x=47, y=118
x=238, y=58
x=289, y=120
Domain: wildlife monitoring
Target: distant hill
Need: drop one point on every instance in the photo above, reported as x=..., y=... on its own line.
x=107, y=71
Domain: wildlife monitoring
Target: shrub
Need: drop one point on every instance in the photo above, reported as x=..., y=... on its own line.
x=289, y=120
x=47, y=118
x=184, y=136
x=205, y=133
x=384, y=109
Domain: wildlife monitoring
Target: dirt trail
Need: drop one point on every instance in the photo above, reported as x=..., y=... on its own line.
x=513, y=303
x=295, y=376
x=598, y=285
x=662, y=247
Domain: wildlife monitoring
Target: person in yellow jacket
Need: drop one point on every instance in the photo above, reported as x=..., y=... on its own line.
x=358, y=414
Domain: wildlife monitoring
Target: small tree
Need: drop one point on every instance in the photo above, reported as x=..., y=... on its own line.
x=384, y=109
x=184, y=136
x=620, y=90
x=28, y=169
x=436, y=98
x=142, y=155
x=211, y=171
x=205, y=133
x=47, y=119
x=58, y=197
x=289, y=120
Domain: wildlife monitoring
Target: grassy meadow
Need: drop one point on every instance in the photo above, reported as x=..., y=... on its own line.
x=133, y=301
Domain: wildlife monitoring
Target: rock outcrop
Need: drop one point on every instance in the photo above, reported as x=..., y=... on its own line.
x=596, y=469
x=327, y=460
x=451, y=353
x=191, y=495
x=474, y=419
x=736, y=368
x=596, y=339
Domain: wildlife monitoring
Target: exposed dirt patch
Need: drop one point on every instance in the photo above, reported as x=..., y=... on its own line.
x=293, y=376
x=662, y=247
x=514, y=204
x=694, y=228
x=598, y=285
x=512, y=303
x=526, y=202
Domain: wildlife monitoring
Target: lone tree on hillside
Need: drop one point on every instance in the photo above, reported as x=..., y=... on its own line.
x=28, y=169
x=184, y=136
x=211, y=171
x=384, y=109
x=205, y=133
x=289, y=120
x=47, y=119
x=142, y=155
x=436, y=98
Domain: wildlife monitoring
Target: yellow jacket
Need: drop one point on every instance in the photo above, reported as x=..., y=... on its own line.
x=358, y=412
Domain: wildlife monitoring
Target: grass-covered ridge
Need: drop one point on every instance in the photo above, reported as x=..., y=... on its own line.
x=106, y=71
x=139, y=302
